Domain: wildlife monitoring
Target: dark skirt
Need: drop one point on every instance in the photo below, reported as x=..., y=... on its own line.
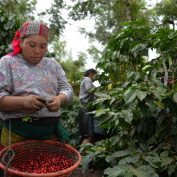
x=85, y=123
x=89, y=126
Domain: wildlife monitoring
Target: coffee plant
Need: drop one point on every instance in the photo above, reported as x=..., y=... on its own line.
x=136, y=103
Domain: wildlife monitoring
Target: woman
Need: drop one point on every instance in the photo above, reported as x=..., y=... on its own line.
x=89, y=128
x=32, y=87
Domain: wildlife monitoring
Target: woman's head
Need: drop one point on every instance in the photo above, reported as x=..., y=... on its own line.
x=33, y=48
x=90, y=73
x=31, y=40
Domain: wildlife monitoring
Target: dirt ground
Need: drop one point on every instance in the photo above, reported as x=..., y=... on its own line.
x=90, y=173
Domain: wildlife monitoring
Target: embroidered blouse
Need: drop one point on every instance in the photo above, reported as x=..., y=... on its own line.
x=20, y=78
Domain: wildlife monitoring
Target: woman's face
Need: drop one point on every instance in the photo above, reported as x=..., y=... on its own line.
x=34, y=48
x=93, y=76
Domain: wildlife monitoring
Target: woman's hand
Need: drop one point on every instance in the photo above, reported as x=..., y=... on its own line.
x=33, y=103
x=54, y=104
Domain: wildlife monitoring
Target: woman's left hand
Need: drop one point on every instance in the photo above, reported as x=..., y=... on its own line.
x=54, y=104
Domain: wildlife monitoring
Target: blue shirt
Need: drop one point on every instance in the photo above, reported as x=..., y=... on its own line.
x=85, y=86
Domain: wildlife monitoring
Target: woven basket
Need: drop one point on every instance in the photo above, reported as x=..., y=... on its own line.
x=28, y=150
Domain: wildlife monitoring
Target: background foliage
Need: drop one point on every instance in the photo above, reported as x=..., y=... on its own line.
x=136, y=99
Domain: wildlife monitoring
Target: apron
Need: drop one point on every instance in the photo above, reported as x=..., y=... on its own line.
x=39, y=129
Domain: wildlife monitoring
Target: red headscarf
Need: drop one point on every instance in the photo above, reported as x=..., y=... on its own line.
x=27, y=29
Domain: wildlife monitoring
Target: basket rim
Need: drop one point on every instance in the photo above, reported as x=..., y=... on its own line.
x=62, y=172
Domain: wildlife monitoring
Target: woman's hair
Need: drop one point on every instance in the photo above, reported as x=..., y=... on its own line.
x=89, y=71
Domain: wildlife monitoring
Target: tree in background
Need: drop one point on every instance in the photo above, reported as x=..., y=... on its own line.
x=12, y=15
x=108, y=15
x=136, y=106
x=167, y=10
x=95, y=53
x=56, y=19
x=73, y=68
x=23, y=9
x=57, y=24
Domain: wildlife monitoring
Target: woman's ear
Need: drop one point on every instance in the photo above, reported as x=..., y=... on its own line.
x=21, y=42
x=21, y=45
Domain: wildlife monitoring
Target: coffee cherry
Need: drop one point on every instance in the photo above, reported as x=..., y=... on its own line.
x=44, y=163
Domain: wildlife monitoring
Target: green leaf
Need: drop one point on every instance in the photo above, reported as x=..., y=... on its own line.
x=164, y=154
x=146, y=68
x=160, y=104
x=129, y=159
x=2, y=19
x=171, y=169
x=138, y=49
x=128, y=116
x=7, y=26
x=100, y=112
x=172, y=35
x=27, y=119
x=114, y=172
x=100, y=94
x=143, y=171
x=166, y=160
x=157, y=94
x=87, y=159
x=175, y=86
x=3, y=33
x=141, y=94
x=129, y=95
x=170, y=61
x=153, y=160
x=118, y=171
x=119, y=154
x=112, y=100
x=175, y=97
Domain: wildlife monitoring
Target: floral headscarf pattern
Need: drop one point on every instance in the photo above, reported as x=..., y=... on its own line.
x=28, y=28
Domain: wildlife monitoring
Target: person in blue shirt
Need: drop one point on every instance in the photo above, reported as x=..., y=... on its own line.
x=89, y=127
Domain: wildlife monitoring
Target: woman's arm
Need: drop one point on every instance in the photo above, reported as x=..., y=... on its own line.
x=64, y=87
x=65, y=91
x=31, y=103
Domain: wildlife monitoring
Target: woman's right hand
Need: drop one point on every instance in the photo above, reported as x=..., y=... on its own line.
x=33, y=103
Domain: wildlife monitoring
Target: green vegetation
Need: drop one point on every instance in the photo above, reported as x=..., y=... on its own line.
x=137, y=97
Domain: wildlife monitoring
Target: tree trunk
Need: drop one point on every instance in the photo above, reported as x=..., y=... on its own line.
x=128, y=10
